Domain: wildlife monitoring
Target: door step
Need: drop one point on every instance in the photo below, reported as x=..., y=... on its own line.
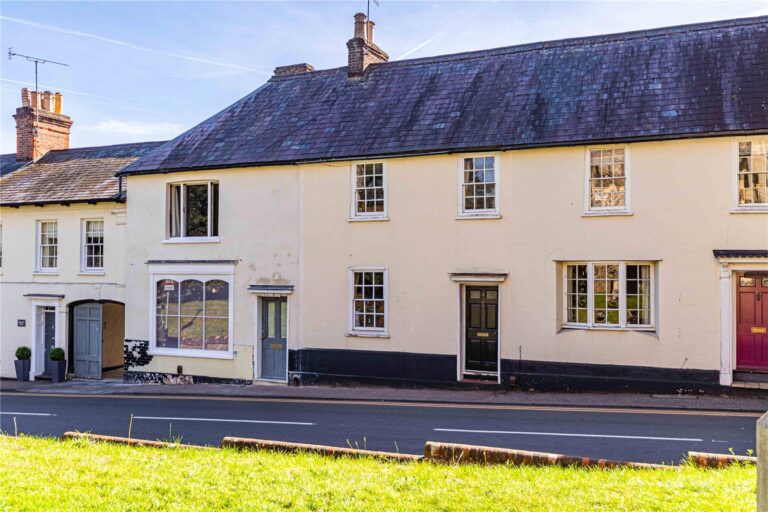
x=751, y=377
x=480, y=379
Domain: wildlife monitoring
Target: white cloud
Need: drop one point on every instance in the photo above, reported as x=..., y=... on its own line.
x=136, y=128
x=418, y=47
x=127, y=44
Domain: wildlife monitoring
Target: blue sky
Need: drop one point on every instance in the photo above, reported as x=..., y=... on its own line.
x=150, y=70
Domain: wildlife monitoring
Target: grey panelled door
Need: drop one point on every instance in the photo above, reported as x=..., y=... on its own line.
x=88, y=341
x=274, y=340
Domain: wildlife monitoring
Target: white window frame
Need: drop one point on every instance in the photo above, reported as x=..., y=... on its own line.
x=489, y=213
x=169, y=238
x=622, y=325
x=39, y=269
x=179, y=273
x=1, y=246
x=743, y=208
x=354, y=215
x=367, y=332
x=84, y=268
x=590, y=210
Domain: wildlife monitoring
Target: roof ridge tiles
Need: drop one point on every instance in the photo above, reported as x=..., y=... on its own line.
x=615, y=37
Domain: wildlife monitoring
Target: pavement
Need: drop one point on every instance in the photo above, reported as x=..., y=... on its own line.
x=741, y=401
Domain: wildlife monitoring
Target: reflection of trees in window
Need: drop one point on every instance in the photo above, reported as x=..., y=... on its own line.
x=193, y=210
x=192, y=314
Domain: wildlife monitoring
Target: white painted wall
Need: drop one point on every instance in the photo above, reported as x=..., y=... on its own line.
x=259, y=226
x=290, y=225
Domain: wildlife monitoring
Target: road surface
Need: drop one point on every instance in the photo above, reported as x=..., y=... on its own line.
x=622, y=434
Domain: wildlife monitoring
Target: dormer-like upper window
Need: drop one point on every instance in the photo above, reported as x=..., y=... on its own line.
x=193, y=210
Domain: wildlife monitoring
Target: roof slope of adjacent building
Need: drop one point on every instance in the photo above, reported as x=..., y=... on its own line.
x=72, y=175
x=8, y=164
x=688, y=81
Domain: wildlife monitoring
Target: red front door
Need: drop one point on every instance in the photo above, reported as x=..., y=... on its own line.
x=752, y=322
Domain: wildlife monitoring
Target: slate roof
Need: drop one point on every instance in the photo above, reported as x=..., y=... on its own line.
x=8, y=164
x=72, y=175
x=694, y=80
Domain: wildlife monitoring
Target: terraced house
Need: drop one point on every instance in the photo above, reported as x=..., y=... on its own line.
x=62, y=236
x=587, y=213
x=584, y=213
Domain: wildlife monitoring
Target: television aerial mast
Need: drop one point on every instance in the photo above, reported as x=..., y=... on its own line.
x=37, y=61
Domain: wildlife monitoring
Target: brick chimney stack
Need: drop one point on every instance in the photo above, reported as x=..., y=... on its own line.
x=362, y=50
x=40, y=125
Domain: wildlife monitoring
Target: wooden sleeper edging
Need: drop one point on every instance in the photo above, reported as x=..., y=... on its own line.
x=470, y=454
x=718, y=460
x=242, y=443
x=127, y=440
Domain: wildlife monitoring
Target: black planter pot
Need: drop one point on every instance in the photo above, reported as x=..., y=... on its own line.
x=59, y=371
x=22, y=369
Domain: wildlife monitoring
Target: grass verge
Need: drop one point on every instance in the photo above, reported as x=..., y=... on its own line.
x=46, y=474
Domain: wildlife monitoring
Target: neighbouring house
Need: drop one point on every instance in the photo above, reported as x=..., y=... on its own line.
x=62, y=244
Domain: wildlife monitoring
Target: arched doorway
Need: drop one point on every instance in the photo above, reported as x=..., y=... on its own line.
x=96, y=331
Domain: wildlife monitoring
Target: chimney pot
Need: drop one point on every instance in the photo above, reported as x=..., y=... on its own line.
x=47, y=101
x=26, y=97
x=359, y=25
x=370, y=31
x=59, y=97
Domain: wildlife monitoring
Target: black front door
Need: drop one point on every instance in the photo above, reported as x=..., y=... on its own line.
x=482, y=328
x=49, y=335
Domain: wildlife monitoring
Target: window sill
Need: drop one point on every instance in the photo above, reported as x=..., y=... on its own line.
x=612, y=329
x=193, y=240
x=200, y=354
x=368, y=219
x=608, y=213
x=473, y=216
x=754, y=209
x=367, y=334
x=45, y=273
x=91, y=273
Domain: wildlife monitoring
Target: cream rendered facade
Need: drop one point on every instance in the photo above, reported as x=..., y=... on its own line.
x=290, y=226
x=26, y=291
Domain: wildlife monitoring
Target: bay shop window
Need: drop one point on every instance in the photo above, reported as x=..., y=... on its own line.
x=609, y=295
x=192, y=315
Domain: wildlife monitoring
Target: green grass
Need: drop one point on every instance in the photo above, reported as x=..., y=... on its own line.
x=45, y=474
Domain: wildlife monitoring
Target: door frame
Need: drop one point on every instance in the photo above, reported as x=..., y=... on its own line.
x=463, y=281
x=257, y=323
x=730, y=270
x=37, y=343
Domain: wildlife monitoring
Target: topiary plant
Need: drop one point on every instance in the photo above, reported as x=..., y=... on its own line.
x=56, y=354
x=23, y=353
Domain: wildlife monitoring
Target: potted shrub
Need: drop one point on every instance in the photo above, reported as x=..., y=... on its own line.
x=59, y=366
x=23, y=356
